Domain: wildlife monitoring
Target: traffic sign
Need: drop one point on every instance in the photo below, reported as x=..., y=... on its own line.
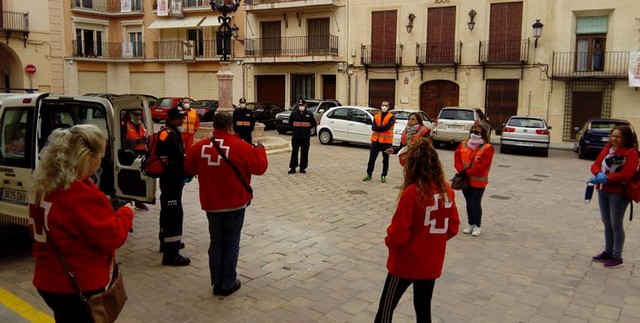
x=30, y=69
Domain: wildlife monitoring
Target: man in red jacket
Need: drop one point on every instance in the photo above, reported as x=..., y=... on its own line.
x=225, y=193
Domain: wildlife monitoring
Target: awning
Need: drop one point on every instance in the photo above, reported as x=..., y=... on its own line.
x=187, y=22
x=210, y=21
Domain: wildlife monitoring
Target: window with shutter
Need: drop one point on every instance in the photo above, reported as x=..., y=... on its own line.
x=271, y=41
x=383, y=37
x=441, y=31
x=318, y=39
x=505, y=32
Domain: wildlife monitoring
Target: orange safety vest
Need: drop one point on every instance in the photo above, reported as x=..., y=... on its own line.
x=133, y=134
x=383, y=137
x=466, y=153
x=191, y=122
x=422, y=131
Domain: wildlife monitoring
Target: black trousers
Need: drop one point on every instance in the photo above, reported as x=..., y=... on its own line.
x=473, y=197
x=376, y=148
x=394, y=288
x=246, y=136
x=68, y=307
x=302, y=145
x=171, y=215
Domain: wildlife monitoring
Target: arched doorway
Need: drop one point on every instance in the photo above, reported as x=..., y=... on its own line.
x=435, y=95
x=11, y=73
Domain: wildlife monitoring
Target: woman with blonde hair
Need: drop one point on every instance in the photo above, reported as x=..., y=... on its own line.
x=425, y=218
x=72, y=212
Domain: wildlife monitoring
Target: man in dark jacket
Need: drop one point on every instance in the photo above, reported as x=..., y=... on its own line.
x=171, y=149
x=301, y=121
x=243, y=121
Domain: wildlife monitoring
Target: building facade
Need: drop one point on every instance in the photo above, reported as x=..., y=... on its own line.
x=31, y=46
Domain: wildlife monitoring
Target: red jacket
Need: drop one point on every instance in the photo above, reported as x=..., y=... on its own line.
x=480, y=165
x=86, y=230
x=220, y=188
x=417, y=244
x=620, y=175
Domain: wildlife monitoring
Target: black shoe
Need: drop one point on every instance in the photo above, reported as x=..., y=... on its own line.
x=176, y=260
x=303, y=171
x=180, y=247
x=219, y=291
x=292, y=171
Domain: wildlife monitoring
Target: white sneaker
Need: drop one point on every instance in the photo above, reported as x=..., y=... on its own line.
x=476, y=231
x=468, y=228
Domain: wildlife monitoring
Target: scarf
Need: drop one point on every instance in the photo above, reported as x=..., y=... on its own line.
x=411, y=131
x=475, y=141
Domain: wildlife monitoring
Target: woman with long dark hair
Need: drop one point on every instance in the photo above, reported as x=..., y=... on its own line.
x=425, y=218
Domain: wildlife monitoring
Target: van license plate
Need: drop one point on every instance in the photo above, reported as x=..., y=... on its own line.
x=526, y=144
x=15, y=196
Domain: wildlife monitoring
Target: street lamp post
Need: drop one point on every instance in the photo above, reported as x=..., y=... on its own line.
x=224, y=49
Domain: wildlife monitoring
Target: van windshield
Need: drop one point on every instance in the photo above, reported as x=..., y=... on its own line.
x=15, y=124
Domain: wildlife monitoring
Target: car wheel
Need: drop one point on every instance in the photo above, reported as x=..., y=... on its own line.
x=581, y=153
x=504, y=149
x=325, y=137
x=436, y=144
x=544, y=152
x=313, y=131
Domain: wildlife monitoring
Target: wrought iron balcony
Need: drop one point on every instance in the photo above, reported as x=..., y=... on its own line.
x=448, y=53
x=108, y=7
x=284, y=4
x=610, y=64
x=316, y=45
x=503, y=52
x=108, y=50
x=11, y=21
x=381, y=55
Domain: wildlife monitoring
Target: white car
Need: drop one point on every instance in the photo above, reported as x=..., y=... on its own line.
x=347, y=124
x=402, y=115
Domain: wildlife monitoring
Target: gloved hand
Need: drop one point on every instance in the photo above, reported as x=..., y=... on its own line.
x=600, y=178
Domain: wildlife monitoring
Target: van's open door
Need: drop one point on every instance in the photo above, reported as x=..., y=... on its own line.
x=130, y=183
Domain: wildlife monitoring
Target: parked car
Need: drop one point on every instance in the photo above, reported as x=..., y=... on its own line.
x=317, y=107
x=525, y=133
x=454, y=123
x=205, y=108
x=159, y=110
x=347, y=124
x=109, y=96
x=402, y=116
x=265, y=112
x=594, y=135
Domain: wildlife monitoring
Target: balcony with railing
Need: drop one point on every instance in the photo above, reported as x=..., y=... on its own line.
x=108, y=50
x=108, y=7
x=438, y=54
x=504, y=52
x=297, y=48
x=609, y=64
x=254, y=5
x=11, y=21
x=381, y=56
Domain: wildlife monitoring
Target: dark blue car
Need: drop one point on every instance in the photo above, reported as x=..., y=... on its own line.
x=594, y=135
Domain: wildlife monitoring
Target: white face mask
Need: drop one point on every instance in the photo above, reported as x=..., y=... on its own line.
x=186, y=105
x=301, y=108
x=180, y=128
x=385, y=109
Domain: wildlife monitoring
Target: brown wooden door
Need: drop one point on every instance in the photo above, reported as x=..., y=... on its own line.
x=382, y=90
x=271, y=41
x=441, y=33
x=383, y=37
x=501, y=101
x=584, y=106
x=435, y=95
x=318, y=41
x=271, y=88
x=505, y=32
x=328, y=87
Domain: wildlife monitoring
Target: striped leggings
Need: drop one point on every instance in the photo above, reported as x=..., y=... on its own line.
x=394, y=288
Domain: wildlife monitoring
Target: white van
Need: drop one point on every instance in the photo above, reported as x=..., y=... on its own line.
x=26, y=120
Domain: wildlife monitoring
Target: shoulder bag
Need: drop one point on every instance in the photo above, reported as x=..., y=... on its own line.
x=460, y=181
x=235, y=169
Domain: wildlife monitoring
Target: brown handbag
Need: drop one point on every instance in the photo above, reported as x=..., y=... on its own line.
x=459, y=181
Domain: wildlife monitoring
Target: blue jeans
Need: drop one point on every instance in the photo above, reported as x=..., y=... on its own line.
x=473, y=197
x=224, y=231
x=612, y=209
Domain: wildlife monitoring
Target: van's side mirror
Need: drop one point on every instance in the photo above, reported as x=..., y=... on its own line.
x=576, y=128
x=548, y=127
x=321, y=111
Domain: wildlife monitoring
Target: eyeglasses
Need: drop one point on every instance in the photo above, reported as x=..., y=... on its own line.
x=475, y=132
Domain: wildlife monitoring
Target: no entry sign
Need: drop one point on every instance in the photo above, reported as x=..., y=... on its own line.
x=30, y=69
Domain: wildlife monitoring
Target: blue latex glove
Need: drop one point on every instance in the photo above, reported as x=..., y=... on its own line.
x=600, y=178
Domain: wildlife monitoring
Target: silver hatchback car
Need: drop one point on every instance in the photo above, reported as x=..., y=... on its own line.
x=525, y=133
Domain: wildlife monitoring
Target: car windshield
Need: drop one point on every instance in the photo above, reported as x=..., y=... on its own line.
x=167, y=102
x=201, y=103
x=605, y=124
x=401, y=115
x=456, y=114
x=373, y=111
x=526, y=123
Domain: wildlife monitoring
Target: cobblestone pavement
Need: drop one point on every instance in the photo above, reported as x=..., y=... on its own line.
x=312, y=250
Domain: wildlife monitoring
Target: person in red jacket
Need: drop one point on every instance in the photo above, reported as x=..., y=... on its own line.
x=79, y=219
x=473, y=157
x=615, y=165
x=425, y=219
x=225, y=195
